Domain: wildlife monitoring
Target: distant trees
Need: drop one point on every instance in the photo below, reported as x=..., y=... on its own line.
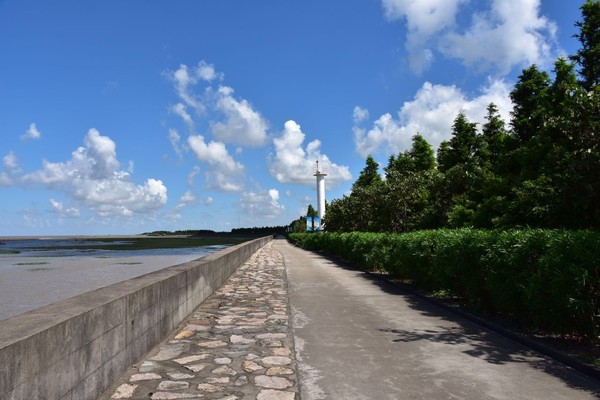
x=261, y=230
x=541, y=169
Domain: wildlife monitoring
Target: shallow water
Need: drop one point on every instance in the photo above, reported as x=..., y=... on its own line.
x=38, y=277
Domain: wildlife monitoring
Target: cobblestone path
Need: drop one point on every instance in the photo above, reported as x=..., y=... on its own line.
x=237, y=345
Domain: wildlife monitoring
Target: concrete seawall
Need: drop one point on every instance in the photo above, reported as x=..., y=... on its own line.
x=76, y=348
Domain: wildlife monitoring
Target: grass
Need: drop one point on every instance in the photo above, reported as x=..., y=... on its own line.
x=9, y=251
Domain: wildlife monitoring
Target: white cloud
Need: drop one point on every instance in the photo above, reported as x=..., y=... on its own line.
x=232, y=120
x=503, y=33
x=214, y=153
x=293, y=163
x=188, y=197
x=243, y=125
x=32, y=133
x=207, y=72
x=431, y=113
x=58, y=208
x=10, y=161
x=92, y=179
x=181, y=110
x=175, y=139
x=511, y=33
x=102, y=154
x=5, y=180
x=192, y=175
x=183, y=79
x=425, y=18
x=360, y=114
x=261, y=205
x=225, y=171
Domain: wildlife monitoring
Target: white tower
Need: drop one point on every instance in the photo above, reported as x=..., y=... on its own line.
x=320, y=192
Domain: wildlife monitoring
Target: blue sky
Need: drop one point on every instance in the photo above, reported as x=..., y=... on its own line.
x=131, y=116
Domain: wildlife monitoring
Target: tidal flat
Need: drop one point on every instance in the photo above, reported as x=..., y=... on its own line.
x=39, y=271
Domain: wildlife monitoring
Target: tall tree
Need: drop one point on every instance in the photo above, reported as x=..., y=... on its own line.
x=493, y=139
x=588, y=56
x=530, y=101
x=408, y=187
x=492, y=205
x=311, y=212
x=369, y=175
x=457, y=163
x=365, y=202
x=462, y=146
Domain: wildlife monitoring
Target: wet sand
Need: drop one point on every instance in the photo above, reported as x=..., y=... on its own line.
x=27, y=283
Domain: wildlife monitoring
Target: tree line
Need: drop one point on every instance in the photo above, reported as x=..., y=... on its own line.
x=540, y=169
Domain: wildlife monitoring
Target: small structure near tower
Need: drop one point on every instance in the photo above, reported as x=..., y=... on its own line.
x=320, y=193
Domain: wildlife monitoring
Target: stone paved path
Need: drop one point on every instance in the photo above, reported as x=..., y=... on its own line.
x=237, y=345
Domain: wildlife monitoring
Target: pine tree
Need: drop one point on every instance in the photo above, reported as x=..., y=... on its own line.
x=588, y=56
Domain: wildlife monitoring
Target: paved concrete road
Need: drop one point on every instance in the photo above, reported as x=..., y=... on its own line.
x=358, y=338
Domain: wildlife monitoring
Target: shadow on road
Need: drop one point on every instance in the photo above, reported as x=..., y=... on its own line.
x=483, y=343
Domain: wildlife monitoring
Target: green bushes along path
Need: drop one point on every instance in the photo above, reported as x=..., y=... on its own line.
x=541, y=279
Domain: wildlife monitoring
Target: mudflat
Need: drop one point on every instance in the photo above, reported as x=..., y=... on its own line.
x=32, y=278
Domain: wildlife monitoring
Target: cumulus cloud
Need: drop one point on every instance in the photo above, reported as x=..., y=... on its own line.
x=294, y=163
x=188, y=197
x=63, y=212
x=225, y=171
x=511, y=33
x=431, y=113
x=207, y=72
x=184, y=78
x=92, y=179
x=505, y=34
x=32, y=133
x=359, y=114
x=261, y=205
x=181, y=110
x=10, y=161
x=232, y=120
x=424, y=20
x=242, y=125
x=11, y=169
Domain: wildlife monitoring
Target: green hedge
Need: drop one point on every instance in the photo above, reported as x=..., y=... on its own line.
x=543, y=279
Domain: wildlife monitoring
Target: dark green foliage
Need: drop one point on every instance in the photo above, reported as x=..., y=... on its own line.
x=369, y=176
x=588, y=57
x=311, y=212
x=542, y=279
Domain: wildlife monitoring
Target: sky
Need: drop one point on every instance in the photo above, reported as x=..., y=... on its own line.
x=124, y=117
